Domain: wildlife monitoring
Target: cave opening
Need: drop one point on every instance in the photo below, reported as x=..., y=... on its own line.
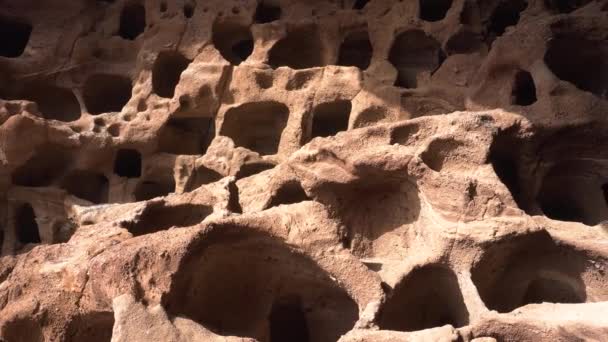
x=257, y=126
x=127, y=163
x=266, y=13
x=132, y=21
x=330, y=118
x=88, y=185
x=524, y=90
x=288, y=320
x=166, y=72
x=417, y=305
x=356, y=50
x=233, y=41
x=15, y=36
x=27, y=227
x=434, y=10
x=104, y=93
x=307, y=41
x=580, y=61
x=412, y=53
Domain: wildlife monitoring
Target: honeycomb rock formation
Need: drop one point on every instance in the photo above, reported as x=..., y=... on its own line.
x=303, y=171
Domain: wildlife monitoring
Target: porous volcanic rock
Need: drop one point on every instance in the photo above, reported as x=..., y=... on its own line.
x=303, y=171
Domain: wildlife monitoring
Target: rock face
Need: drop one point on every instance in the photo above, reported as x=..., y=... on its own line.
x=306, y=171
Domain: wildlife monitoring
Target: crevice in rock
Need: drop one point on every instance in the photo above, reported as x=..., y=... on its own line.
x=233, y=41
x=266, y=12
x=26, y=225
x=580, y=61
x=238, y=280
x=307, y=41
x=132, y=21
x=158, y=216
x=434, y=10
x=427, y=297
x=463, y=42
x=16, y=34
x=256, y=126
x=329, y=118
x=127, y=163
x=524, y=90
x=412, y=53
x=188, y=10
x=533, y=268
x=54, y=103
x=187, y=136
x=103, y=93
x=166, y=72
x=22, y=330
x=88, y=185
x=356, y=50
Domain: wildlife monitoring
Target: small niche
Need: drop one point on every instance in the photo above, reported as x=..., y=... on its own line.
x=356, y=50
x=524, y=90
x=15, y=36
x=266, y=13
x=307, y=41
x=506, y=14
x=412, y=53
x=27, y=227
x=233, y=41
x=330, y=118
x=132, y=21
x=104, y=93
x=434, y=10
x=54, y=103
x=166, y=72
x=257, y=126
x=88, y=185
x=127, y=163
x=187, y=136
x=288, y=320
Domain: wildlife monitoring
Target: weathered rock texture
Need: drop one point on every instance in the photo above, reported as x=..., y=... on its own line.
x=292, y=170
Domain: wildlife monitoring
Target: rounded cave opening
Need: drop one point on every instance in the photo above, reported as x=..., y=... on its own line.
x=533, y=268
x=241, y=282
x=166, y=72
x=307, y=41
x=579, y=60
x=414, y=52
x=15, y=35
x=574, y=190
x=53, y=102
x=427, y=297
x=233, y=41
x=356, y=50
x=257, y=126
x=104, y=93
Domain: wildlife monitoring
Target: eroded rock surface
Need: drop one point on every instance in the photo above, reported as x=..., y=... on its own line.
x=285, y=170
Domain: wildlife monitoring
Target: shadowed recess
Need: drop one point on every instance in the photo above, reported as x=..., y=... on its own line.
x=356, y=50
x=233, y=41
x=256, y=126
x=166, y=72
x=240, y=282
x=127, y=163
x=25, y=221
x=412, y=53
x=434, y=10
x=427, y=297
x=533, y=268
x=330, y=118
x=132, y=21
x=103, y=93
x=15, y=36
x=159, y=216
x=306, y=40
